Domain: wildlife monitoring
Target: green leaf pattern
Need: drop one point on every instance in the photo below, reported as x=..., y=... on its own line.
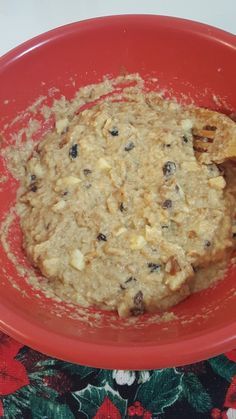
x=44, y=408
x=195, y=393
x=91, y=398
x=161, y=390
x=223, y=367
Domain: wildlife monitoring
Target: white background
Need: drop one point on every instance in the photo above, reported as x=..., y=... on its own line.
x=23, y=19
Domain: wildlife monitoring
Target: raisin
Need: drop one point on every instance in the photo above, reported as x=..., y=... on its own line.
x=65, y=193
x=129, y=146
x=210, y=127
x=185, y=139
x=114, y=132
x=139, y=306
x=73, y=152
x=169, y=168
x=164, y=226
x=200, y=149
x=195, y=268
x=33, y=187
x=234, y=235
x=154, y=267
x=136, y=311
x=131, y=278
x=87, y=172
x=202, y=138
x=167, y=204
x=168, y=145
x=122, y=208
x=138, y=298
x=101, y=237
x=127, y=282
x=207, y=243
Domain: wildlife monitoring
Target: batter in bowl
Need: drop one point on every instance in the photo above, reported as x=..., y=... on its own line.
x=123, y=202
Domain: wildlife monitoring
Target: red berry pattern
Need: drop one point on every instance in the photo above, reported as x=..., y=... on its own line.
x=216, y=413
x=138, y=411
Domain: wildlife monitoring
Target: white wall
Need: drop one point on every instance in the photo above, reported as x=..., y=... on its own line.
x=23, y=19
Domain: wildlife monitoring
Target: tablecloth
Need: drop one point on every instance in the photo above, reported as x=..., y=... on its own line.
x=33, y=385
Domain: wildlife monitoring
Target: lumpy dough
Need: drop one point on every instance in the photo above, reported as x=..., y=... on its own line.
x=118, y=210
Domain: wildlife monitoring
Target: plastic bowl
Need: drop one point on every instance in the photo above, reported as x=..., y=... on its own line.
x=189, y=59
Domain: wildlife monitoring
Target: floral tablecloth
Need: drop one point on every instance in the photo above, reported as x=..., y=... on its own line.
x=33, y=385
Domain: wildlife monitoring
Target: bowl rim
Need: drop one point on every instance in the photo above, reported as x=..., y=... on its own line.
x=125, y=357
x=194, y=26
x=144, y=356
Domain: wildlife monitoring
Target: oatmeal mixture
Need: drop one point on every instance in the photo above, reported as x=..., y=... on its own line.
x=124, y=202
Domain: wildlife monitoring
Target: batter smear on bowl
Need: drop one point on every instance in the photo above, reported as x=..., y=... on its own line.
x=123, y=202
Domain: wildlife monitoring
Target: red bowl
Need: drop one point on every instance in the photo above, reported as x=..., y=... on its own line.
x=191, y=61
